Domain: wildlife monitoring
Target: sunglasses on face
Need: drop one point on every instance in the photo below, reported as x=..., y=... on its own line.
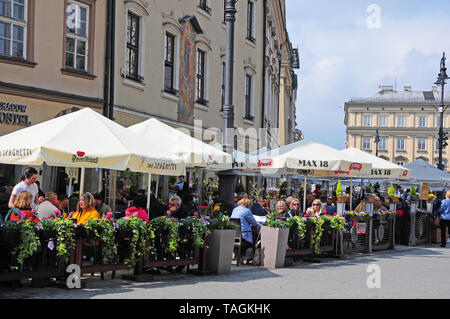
x=316, y=204
x=296, y=204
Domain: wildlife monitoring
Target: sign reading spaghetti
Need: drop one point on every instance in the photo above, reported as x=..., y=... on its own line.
x=10, y=113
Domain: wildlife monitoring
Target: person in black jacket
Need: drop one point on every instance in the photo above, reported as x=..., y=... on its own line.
x=156, y=208
x=176, y=208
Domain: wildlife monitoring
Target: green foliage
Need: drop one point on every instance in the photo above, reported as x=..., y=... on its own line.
x=199, y=228
x=301, y=225
x=339, y=191
x=65, y=238
x=104, y=231
x=316, y=223
x=221, y=221
x=170, y=225
x=413, y=190
x=274, y=220
x=141, y=233
x=391, y=190
x=369, y=189
x=28, y=242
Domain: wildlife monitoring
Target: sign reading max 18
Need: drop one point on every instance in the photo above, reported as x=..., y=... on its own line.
x=8, y=114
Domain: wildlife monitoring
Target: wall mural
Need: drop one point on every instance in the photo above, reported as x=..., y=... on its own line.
x=187, y=74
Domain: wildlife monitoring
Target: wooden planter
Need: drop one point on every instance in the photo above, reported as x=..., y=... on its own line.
x=369, y=199
x=341, y=199
x=220, y=250
x=273, y=246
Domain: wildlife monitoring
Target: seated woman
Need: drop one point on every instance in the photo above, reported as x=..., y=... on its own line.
x=85, y=209
x=281, y=209
x=138, y=210
x=22, y=208
x=294, y=207
x=248, y=221
x=316, y=209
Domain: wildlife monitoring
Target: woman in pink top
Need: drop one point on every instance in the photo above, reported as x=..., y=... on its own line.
x=138, y=210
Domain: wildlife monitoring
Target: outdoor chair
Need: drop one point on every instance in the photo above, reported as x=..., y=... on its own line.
x=238, y=242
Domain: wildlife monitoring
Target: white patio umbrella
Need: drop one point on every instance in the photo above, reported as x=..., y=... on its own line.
x=87, y=139
x=381, y=169
x=309, y=158
x=194, y=152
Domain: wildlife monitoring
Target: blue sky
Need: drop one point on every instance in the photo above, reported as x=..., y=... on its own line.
x=343, y=56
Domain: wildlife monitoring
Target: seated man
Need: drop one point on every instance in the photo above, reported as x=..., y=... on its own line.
x=176, y=208
x=330, y=207
x=377, y=206
x=248, y=222
x=47, y=208
x=63, y=203
x=100, y=205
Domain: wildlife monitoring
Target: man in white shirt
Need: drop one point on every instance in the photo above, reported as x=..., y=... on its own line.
x=47, y=208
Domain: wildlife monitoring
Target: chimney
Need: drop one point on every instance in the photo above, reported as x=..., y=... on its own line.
x=387, y=88
x=407, y=88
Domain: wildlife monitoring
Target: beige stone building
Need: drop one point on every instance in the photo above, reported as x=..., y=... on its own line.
x=407, y=122
x=51, y=62
x=169, y=62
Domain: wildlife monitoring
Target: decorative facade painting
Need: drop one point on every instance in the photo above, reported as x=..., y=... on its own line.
x=187, y=74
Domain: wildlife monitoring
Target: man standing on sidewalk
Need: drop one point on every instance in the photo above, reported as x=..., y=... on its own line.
x=445, y=218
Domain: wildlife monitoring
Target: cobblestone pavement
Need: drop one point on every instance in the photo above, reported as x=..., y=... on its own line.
x=419, y=272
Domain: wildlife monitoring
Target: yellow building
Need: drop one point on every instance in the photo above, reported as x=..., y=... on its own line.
x=407, y=122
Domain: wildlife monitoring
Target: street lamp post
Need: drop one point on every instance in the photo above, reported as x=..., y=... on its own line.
x=377, y=140
x=442, y=76
x=227, y=179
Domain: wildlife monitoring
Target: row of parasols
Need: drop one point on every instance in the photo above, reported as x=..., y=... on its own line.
x=87, y=139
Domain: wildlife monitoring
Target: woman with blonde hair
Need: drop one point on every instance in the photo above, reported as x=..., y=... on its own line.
x=85, y=209
x=294, y=207
x=316, y=209
x=22, y=208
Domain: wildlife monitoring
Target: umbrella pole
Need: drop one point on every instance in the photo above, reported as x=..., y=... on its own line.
x=70, y=182
x=149, y=189
x=82, y=180
x=157, y=186
x=351, y=193
x=304, y=195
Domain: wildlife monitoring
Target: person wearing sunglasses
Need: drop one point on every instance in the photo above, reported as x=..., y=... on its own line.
x=316, y=209
x=294, y=207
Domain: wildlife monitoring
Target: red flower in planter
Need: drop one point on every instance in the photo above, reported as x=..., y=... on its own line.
x=355, y=223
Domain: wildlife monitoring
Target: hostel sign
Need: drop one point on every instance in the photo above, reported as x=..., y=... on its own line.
x=10, y=113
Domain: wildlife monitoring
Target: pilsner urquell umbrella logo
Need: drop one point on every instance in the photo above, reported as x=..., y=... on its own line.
x=80, y=157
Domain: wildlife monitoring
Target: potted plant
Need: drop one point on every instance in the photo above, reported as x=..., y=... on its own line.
x=414, y=196
x=341, y=196
x=104, y=232
x=28, y=243
x=220, y=244
x=274, y=239
x=141, y=234
x=392, y=196
x=369, y=196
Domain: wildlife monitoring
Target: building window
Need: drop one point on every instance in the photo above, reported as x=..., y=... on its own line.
x=438, y=121
x=366, y=143
x=223, y=87
x=382, y=144
x=401, y=121
x=367, y=120
x=132, y=56
x=77, y=31
x=248, y=97
x=421, y=144
x=382, y=120
x=13, y=28
x=437, y=144
x=169, y=63
x=201, y=77
x=250, y=21
x=422, y=121
x=204, y=5
x=400, y=144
